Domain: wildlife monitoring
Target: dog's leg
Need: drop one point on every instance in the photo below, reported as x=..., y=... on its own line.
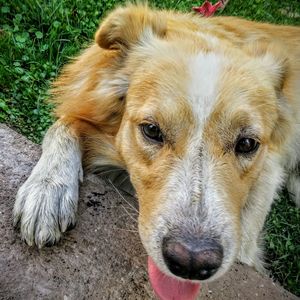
x=251, y=252
x=46, y=204
x=293, y=186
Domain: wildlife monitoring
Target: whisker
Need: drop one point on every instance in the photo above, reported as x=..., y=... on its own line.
x=125, y=178
x=118, y=228
x=109, y=171
x=132, y=218
x=132, y=207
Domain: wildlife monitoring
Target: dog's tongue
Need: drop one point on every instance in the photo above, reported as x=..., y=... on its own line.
x=169, y=288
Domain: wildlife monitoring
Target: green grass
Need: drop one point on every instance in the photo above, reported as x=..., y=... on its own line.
x=282, y=243
x=38, y=37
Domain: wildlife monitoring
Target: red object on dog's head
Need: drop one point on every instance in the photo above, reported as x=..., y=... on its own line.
x=170, y=288
x=207, y=9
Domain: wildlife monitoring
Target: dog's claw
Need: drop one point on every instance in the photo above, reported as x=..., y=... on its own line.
x=71, y=226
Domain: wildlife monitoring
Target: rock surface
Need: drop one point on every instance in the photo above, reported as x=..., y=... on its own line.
x=102, y=258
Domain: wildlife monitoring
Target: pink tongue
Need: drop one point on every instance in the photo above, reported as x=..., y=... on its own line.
x=169, y=288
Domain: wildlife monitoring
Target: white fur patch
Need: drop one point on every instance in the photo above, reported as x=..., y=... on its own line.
x=204, y=70
x=116, y=86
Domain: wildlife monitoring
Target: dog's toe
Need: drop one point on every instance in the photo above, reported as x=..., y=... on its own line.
x=71, y=226
x=47, y=237
x=67, y=216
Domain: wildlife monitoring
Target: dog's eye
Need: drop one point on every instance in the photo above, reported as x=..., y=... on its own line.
x=246, y=146
x=152, y=132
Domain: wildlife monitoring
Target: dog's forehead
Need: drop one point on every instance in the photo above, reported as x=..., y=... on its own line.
x=182, y=89
x=188, y=91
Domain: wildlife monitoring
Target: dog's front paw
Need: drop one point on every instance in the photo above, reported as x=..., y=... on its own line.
x=44, y=208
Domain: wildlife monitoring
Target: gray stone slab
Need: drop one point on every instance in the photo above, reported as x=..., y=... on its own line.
x=102, y=258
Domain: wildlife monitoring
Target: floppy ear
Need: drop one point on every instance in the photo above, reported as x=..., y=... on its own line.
x=276, y=64
x=271, y=58
x=124, y=26
x=276, y=67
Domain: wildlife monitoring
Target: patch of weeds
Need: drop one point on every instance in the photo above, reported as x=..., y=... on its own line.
x=285, y=12
x=23, y=89
x=36, y=39
x=282, y=243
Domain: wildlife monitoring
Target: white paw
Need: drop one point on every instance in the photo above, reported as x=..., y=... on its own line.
x=45, y=207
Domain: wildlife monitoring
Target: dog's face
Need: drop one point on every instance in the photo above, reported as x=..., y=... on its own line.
x=196, y=133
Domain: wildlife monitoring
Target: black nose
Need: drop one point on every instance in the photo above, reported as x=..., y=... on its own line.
x=197, y=260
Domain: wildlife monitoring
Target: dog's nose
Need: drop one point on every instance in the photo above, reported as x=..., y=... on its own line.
x=197, y=260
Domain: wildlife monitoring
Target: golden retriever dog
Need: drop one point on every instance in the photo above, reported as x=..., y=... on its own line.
x=203, y=114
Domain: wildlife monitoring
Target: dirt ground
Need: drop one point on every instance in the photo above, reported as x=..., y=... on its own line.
x=102, y=258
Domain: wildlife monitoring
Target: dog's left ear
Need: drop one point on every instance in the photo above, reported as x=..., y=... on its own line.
x=124, y=26
x=276, y=65
x=270, y=57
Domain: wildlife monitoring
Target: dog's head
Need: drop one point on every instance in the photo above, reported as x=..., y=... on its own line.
x=201, y=127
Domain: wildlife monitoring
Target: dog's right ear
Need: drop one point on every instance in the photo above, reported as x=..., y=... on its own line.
x=124, y=27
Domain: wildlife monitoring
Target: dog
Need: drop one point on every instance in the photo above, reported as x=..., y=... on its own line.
x=203, y=114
